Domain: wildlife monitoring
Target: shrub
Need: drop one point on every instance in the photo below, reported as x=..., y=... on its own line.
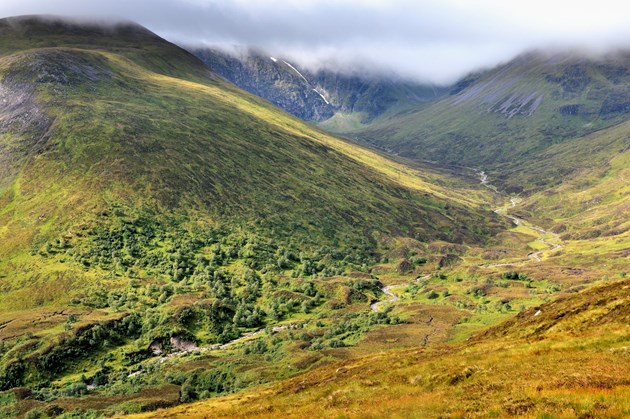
x=431, y=295
x=35, y=414
x=336, y=343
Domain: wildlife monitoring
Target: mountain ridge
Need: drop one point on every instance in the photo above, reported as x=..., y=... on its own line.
x=314, y=95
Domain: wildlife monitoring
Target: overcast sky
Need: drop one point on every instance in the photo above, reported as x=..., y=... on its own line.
x=432, y=40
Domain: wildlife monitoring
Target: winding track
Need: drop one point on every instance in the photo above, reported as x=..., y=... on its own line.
x=392, y=297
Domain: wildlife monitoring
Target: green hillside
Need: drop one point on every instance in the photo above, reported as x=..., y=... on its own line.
x=145, y=201
x=166, y=237
x=503, y=119
x=549, y=129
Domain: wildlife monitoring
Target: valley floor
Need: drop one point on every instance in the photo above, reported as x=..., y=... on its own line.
x=427, y=351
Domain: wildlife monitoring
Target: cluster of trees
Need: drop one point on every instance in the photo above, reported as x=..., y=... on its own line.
x=202, y=384
x=515, y=276
x=179, y=249
x=240, y=276
x=75, y=347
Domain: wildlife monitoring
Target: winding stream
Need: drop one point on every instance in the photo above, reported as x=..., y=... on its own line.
x=535, y=256
x=392, y=297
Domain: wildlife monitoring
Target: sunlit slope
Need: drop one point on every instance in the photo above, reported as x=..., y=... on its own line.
x=590, y=210
x=550, y=129
x=87, y=129
x=567, y=358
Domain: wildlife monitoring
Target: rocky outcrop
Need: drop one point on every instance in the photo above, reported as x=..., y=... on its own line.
x=272, y=79
x=313, y=96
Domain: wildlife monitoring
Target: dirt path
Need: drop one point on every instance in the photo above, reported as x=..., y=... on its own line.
x=420, y=278
x=427, y=336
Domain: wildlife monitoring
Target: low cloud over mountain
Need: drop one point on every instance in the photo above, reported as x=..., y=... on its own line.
x=424, y=40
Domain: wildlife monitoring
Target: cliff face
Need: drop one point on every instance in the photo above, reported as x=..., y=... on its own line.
x=272, y=79
x=314, y=96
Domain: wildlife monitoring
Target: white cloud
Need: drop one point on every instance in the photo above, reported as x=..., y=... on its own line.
x=437, y=40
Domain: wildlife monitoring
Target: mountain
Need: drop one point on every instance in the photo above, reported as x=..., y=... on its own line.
x=551, y=128
x=217, y=149
x=315, y=95
x=149, y=209
x=502, y=119
x=167, y=237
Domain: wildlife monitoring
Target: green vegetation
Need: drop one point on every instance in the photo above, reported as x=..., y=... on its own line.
x=565, y=358
x=167, y=238
x=524, y=122
x=551, y=132
x=154, y=220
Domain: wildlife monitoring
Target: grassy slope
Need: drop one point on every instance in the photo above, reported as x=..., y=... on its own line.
x=590, y=211
x=132, y=143
x=474, y=128
x=586, y=216
x=132, y=128
x=569, y=360
x=144, y=133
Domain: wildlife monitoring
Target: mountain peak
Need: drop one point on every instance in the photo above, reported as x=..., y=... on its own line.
x=129, y=39
x=58, y=25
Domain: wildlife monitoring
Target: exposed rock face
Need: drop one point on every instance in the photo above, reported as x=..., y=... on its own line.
x=182, y=345
x=155, y=347
x=616, y=102
x=313, y=96
x=22, y=118
x=593, y=87
x=175, y=344
x=277, y=81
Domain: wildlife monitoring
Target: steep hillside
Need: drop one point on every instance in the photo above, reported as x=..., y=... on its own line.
x=568, y=358
x=507, y=118
x=149, y=209
x=123, y=125
x=592, y=204
x=319, y=95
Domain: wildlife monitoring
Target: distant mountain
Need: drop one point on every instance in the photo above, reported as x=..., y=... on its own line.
x=550, y=127
x=506, y=117
x=319, y=95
